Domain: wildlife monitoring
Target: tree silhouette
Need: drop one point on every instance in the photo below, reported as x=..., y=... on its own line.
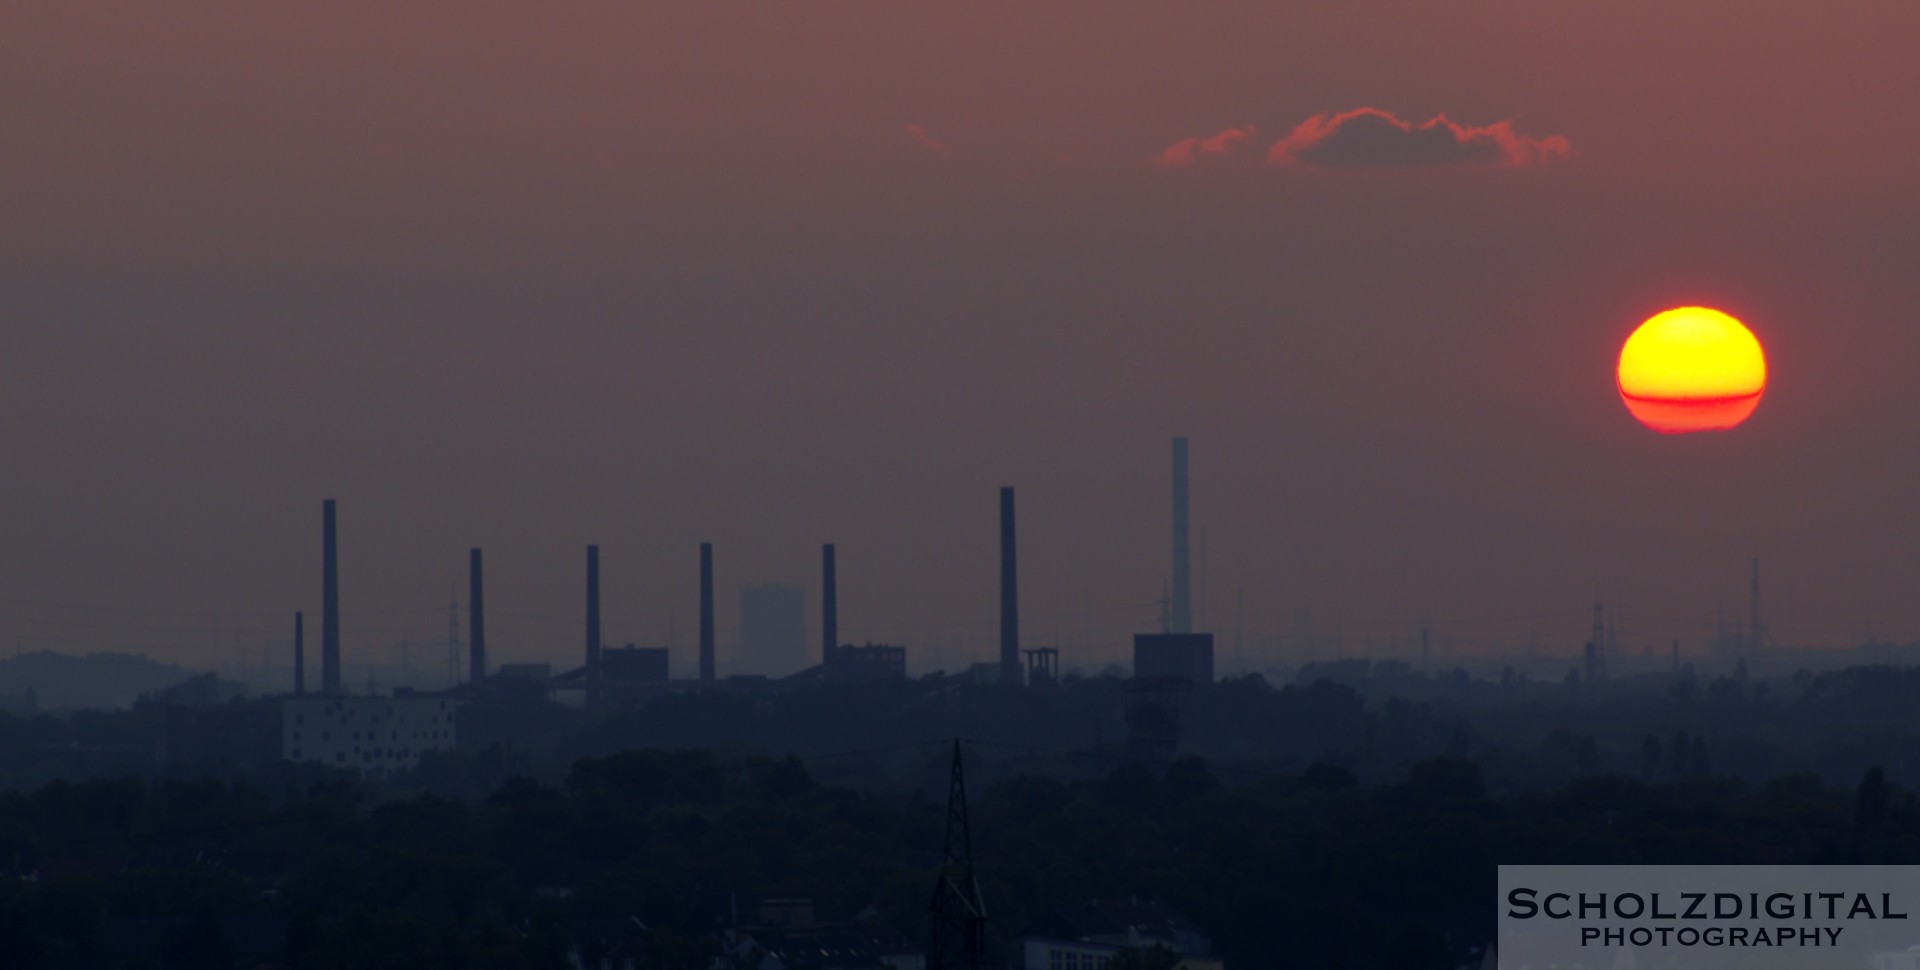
x=1587, y=758
x=1870, y=800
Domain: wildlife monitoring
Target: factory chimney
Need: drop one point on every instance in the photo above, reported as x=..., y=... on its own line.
x=329, y=603
x=829, y=606
x=476, y=619
x=706, y=613
x=1009, y=594
x=1754, y=629
x=299, y=654
x=1182, y=589
x=593, y=615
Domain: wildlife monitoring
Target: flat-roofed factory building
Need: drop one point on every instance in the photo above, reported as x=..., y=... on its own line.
x=376, y=736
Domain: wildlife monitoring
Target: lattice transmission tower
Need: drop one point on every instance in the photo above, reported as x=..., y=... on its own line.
x=959, y=916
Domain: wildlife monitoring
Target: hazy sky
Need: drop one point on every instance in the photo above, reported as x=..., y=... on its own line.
x=528, y=276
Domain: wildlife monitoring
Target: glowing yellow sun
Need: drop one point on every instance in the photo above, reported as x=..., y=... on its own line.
x=1692, y=369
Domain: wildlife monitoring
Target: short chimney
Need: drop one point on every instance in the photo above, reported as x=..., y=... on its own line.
x=476, y=619
x=829, y=606
x=593, y=612
x=1182, y=587
x=329, y=602
x=1009, y=594
x=706, y=613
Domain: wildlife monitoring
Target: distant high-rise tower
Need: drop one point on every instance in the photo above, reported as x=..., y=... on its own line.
x=1182, y=587
x=829, y=606
x=476, y=619
x=773, y=628
x=329, y=602
x=706, y=613
x=1009, y=594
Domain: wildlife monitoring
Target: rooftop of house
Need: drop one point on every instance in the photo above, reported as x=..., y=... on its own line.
x=1118, y=919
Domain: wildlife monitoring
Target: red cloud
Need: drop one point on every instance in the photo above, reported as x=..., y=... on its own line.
x=1186, y=151
x=919, y=134
x=1369, y=137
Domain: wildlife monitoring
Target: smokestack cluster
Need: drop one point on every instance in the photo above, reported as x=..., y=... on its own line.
x=1009, y=594
x=476, y=619
x=329, y=603
x=1011, y=668
x=1182, y=589
x=829, y=606
x=331, y=683
x=706, y=613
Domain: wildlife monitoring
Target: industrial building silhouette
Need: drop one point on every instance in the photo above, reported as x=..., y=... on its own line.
x=1167, y=664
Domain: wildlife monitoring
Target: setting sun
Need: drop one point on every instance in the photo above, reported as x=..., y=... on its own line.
x=1692, y=369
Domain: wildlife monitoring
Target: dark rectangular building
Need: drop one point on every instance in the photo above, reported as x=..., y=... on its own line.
x=875, y=661
x=632, y=663
x=1183, y=655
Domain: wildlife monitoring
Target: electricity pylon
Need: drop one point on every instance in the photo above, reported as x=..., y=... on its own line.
x=959, y=916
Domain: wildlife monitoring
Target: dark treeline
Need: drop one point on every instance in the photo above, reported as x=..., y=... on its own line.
x=1375, y=721
x=1353, y=819
x=1307, y=869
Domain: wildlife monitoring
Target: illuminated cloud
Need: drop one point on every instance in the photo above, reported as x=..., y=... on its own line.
x=1369, y=137
x=1186, y=151
x=919, y=134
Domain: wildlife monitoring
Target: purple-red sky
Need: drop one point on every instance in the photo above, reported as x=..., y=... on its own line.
x=531, y=276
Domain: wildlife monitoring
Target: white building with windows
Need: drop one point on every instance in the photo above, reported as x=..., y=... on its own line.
x=1087, y=936
x=1907, y=959
x=376, y=736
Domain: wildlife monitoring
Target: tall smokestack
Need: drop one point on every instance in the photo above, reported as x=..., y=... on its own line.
x=706, y=612
x=1009, y=594
x=299, y=654
x=829, y=606
x=1753, y=630
x=1182, y=590
x=593, y=613
x=329, y=603
x=476, y=619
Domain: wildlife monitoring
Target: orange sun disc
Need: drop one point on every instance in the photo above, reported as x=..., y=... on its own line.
x=1692, y=369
